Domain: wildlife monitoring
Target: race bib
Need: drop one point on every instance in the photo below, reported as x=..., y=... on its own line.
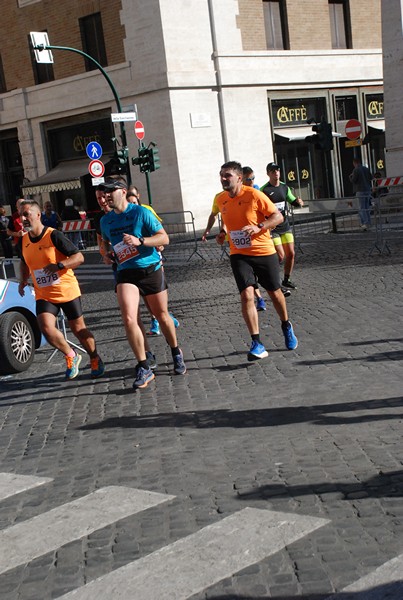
x=125, y=252
x=44, y=280
x=280, y=206
x=240, y=239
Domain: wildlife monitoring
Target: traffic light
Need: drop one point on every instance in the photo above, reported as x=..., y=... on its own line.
x=121, y=156
x=154, y=158
x=148, y=159
x=142, y=160
x=323, y=138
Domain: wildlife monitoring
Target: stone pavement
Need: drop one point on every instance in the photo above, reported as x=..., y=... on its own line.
x=315, y=433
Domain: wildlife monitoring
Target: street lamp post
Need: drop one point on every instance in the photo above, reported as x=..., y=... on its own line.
x=42, y=47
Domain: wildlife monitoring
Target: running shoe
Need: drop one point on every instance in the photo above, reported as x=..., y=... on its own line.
x=143, y=377
x=260, y=304
x=287, y=283
x=155, y=327
x=175, y=320
x=291, y=341
x=179, y=364
x=97, y=367
x=286, y=293
x=152, y=362
x=257, y=351
x=72, y=363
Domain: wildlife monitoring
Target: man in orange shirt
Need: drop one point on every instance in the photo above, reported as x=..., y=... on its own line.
x=248, y=216
x=50, y=257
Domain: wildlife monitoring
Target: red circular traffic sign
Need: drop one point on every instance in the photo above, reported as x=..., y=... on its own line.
x=139, y=130
x=353, y=129
x=96, y=168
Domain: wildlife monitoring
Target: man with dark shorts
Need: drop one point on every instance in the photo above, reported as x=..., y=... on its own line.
x=283, y=237
x=49, y=257
x=248, y=216
x=133, y=234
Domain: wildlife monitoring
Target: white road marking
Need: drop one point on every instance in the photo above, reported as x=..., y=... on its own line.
x=385, y=582
x=11, y=484
x=30, y=539
x=192, y=564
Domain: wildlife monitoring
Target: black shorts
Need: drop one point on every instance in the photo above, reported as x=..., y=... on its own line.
x=249, y=269
x=72, y=309
x=149, y=281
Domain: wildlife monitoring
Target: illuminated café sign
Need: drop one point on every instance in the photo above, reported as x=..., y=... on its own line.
x=296, y=111
x=374, y=106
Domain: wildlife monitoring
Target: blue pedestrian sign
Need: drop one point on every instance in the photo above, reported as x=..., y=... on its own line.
x=94, y=151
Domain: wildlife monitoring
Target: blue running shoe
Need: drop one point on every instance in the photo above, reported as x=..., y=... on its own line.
x=97, y=367
x=175, y=320
x=143, y=377
x=152, y=361
x=179, y=364
x=155, y=327
x=257, y=351
x=260, y=304
x=72, y=363
x=291, y=341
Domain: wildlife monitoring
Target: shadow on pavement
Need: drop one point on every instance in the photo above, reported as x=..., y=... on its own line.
x=387, y=591
x=261, y=417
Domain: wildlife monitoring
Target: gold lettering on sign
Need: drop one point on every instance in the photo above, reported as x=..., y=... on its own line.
x=304, y=174
x=80, y=142
x=291, y=176
x=375, y=108
x=291, y=115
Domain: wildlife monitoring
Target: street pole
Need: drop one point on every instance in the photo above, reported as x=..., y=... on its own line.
x=41, y=47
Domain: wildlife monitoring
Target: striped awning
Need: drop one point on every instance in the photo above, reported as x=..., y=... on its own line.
x=65, y=176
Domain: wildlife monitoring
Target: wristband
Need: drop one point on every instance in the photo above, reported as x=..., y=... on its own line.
x=60, y=266
x=141, y=240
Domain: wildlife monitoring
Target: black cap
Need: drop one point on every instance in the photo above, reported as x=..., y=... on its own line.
x=272, y=167
x=112, y=184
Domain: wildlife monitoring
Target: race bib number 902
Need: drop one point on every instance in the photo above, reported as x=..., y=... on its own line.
x=240, y=239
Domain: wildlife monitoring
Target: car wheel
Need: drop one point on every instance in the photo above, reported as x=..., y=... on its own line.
x=17, y=343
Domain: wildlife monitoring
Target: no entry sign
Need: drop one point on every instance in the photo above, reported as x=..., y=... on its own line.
x=353, y=129
x=139, y=130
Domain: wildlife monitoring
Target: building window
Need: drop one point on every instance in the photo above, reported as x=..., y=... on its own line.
x=3, y=87
x=340, y=23
x=43, y=72
x=92, y=38
x=275, y=20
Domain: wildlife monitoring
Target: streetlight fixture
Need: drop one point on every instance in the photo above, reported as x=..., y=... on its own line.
x=43, y=54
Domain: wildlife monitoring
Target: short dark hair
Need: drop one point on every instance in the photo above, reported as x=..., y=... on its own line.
x=31, y=203
x=234, y=166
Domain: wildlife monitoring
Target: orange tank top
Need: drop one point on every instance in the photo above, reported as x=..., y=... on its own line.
x=59, y=287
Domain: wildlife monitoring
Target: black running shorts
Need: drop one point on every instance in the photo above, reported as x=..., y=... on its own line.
x=247, y=269
x=149, y=281
x=73, y=309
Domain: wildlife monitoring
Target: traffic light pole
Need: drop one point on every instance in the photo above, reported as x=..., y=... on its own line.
x=113, y=89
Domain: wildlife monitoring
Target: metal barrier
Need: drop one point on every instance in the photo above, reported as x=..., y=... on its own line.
x=388, y=208
x=332, y=219
x=10, y=268
x=182, y=236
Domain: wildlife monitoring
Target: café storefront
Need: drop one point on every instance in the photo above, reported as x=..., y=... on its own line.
x=310, y=171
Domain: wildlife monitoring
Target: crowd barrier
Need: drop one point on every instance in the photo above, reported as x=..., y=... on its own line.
x=333, y=219
x=10, y=268
x=183, y=242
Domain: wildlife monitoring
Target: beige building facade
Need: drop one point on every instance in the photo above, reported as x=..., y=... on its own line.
x=212, y=80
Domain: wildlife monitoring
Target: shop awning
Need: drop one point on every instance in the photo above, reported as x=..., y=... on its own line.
x=65, y=176
x=379, y=124
x=294, y=134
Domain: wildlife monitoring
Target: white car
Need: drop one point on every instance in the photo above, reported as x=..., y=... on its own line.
x=19, y=331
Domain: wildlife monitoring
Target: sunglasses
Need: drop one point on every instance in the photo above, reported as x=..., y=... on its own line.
x=249, y=179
